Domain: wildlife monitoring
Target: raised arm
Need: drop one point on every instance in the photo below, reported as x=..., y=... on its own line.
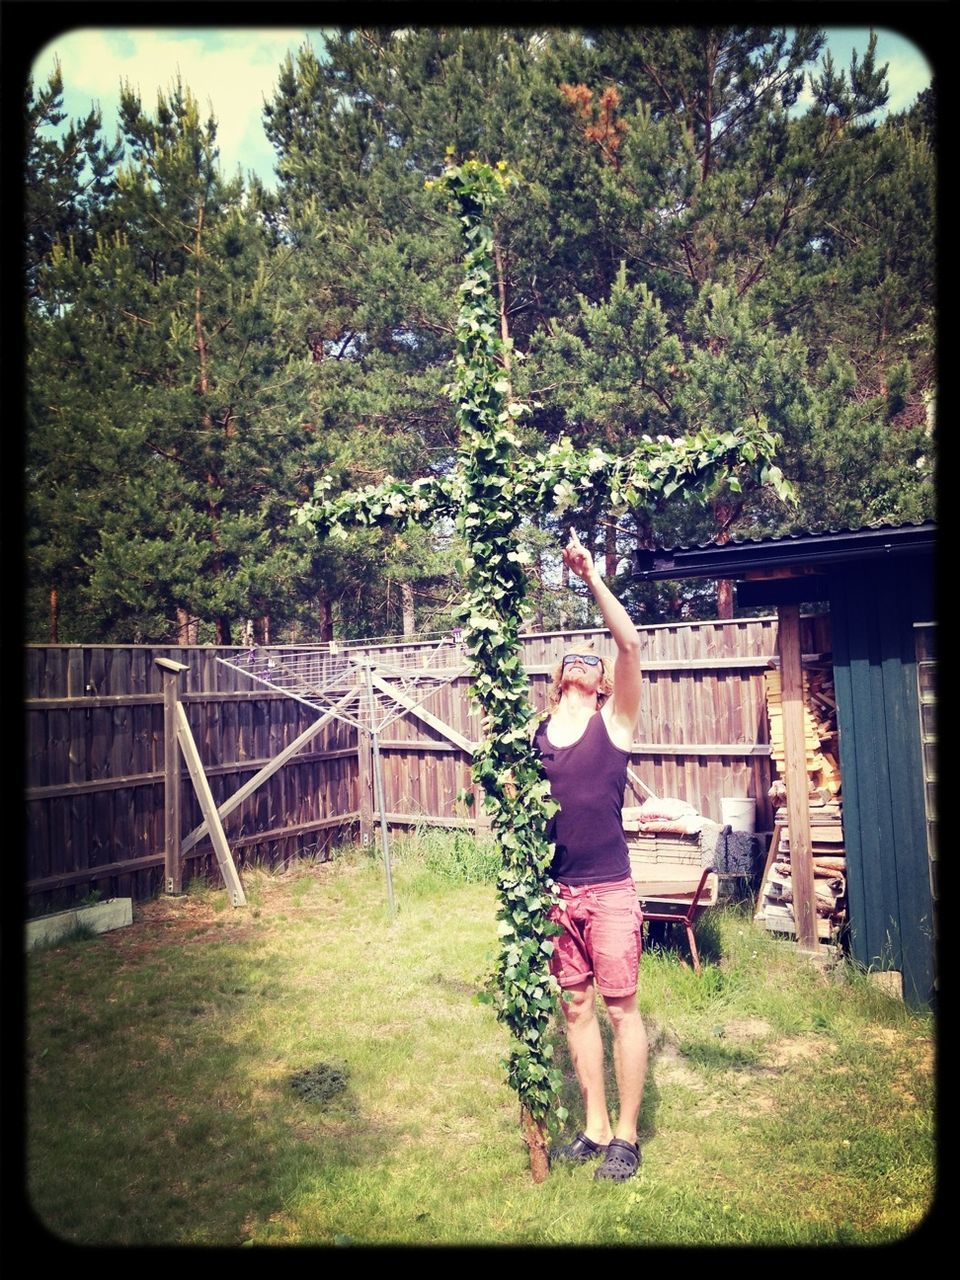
x=624, y=705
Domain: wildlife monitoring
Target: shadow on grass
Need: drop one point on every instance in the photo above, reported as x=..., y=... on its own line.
x=570, y=1089
x=669, y=936
x=175, y=1106
x=718, y=1054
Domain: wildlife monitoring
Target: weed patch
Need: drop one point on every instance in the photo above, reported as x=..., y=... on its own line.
x=320, y=1082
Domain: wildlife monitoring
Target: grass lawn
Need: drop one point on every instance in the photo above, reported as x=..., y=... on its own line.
x=784, y=1105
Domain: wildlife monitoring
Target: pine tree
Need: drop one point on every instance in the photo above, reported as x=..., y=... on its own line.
x=67, y=187
x=672, y=259
x=174, y=375
x=67, y=179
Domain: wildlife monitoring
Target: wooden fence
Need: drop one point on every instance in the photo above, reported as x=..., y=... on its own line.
x=94, y=750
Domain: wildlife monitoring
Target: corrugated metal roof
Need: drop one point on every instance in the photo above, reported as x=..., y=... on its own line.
x=739, y=555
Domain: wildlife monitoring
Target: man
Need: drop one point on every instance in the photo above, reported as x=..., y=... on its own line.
x=585, y=748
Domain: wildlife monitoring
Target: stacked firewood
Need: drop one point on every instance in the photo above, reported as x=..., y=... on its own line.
x=775, y=906
x=820, y=726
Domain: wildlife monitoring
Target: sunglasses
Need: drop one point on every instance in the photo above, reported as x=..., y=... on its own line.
x=590, y=659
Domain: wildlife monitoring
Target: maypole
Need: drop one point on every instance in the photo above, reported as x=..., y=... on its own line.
x=505, y=766
x=492, y=487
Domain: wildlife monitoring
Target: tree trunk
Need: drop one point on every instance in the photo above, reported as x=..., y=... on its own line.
x=222, y=625
x=326, y=619
x=610, y=550
x=54, y=616
x=711, y=66
x=409, y=619
x=504, y=322
x=204, y=382
x=537, y=1140
x=726, y=511
x=262, y=629
x=188, y=627
x=247, y=633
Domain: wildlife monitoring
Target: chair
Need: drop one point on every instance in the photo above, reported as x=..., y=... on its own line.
x=667, y=865
x=668, y=901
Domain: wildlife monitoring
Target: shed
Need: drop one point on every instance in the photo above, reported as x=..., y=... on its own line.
x=879, y=585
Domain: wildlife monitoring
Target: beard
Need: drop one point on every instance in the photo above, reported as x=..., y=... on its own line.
x=581, y=678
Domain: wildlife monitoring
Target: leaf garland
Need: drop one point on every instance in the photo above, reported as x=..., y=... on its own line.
x=492, y=487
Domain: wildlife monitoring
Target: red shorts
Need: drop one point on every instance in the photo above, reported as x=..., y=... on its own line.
x=601, y=936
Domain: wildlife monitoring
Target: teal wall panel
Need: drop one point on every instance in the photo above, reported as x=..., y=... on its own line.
x=873, y=608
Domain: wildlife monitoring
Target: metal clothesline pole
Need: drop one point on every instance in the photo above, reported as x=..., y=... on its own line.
x=379, y=789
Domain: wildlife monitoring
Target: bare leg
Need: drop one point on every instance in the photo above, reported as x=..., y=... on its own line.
x=630, y=1061
x=586, y=1050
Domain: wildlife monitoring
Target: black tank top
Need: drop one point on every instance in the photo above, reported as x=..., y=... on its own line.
x=587, y=780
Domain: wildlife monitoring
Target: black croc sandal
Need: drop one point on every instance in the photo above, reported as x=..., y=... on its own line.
x=579, y=1151
x=620, y=1163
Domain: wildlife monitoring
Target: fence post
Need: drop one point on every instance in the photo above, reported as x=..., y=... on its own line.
x=173, y=863
x=796, y=777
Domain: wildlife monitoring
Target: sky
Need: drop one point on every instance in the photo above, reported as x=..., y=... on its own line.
x=234, y=71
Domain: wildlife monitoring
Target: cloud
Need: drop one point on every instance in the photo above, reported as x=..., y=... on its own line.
x=907, y=74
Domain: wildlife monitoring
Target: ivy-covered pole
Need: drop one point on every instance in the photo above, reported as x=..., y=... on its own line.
x=516, y=794
x=492, y=487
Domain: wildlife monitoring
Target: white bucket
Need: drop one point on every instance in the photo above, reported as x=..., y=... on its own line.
x=740, y=813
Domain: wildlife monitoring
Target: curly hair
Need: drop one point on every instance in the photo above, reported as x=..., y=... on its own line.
x=606, y=683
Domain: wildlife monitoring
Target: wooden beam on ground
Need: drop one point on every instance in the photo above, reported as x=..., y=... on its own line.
x=209, y=809
x=796, y=777
x=266, y=772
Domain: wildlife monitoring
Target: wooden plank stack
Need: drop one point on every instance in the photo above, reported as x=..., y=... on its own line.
x=668, y=866
x=775, y=904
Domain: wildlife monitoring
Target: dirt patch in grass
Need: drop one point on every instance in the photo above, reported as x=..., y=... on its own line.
x=671, y=1066
x=745, y=1091
x=787, y=1053
x=922, y=1051
x=163, y=922
x=193, y=919
x=747, y=1029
